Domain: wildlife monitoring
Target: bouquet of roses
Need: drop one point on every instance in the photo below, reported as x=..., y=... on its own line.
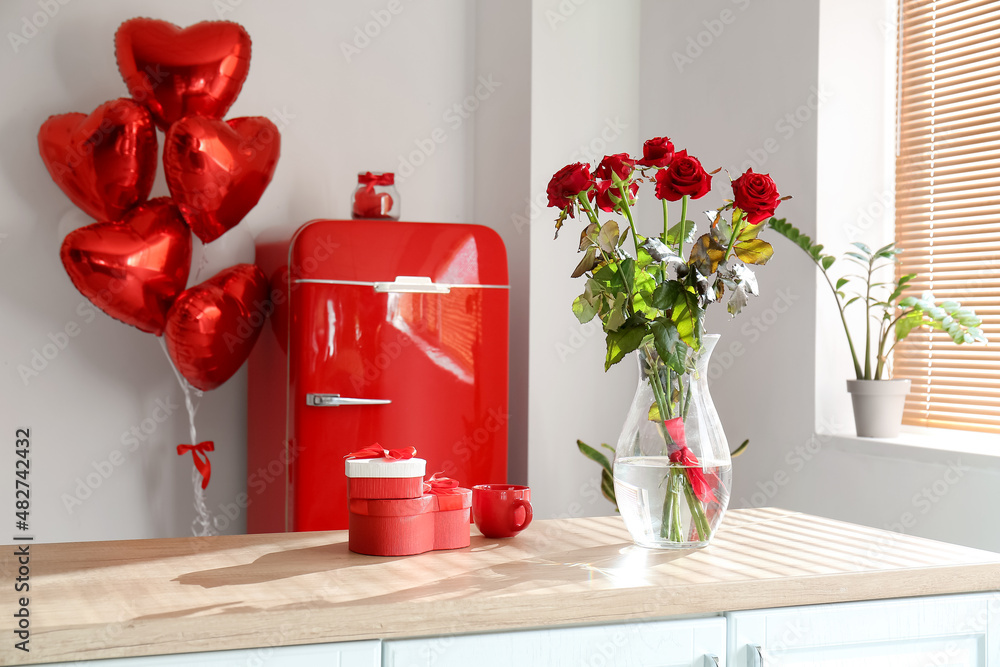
x=655, y=297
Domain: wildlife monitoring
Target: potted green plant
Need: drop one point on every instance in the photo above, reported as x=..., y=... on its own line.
x=889, y=318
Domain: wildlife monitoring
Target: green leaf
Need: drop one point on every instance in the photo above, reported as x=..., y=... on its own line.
x=616, y=316
x=900, y=286
x=706, y=254
x=610, y=278
x=863, y=248
x=907, y=323
x=815, y=251
x=665, y=296
x=860, y=258
x=686, y=316
x=749, y=232
x=682, y=231
x=607, y=238
x=739, y=450
x=588, y=236
x=594, y=455
x=754, y=251
x=841, y=282
x=608, y=488
x=644, y=284
x=621, y=241
x=668, y=343
x=626, y=339
x=588, y=262
x=587, y=305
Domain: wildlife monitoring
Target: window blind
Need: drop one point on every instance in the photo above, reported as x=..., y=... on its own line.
x=948, y=203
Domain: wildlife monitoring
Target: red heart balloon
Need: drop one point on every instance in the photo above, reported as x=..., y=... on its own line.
x=133, y=269
x=104, y=162
x=212, y=326
x=178, y=72
x=217, y=171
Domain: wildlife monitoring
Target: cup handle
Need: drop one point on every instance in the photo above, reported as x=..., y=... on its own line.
x=527, y=514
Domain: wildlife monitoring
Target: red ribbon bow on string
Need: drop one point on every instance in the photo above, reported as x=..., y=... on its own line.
x=375, y=451
x=370, y=180
x=201, y=462
x=441, y=486
x=685, y=457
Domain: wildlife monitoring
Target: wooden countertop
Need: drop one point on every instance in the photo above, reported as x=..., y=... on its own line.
x=110, y=599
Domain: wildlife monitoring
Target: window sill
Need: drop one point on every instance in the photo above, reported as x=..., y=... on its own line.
x=930, y=445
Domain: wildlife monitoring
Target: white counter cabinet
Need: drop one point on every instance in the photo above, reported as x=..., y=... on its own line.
x=921, y=632
x=680, y=643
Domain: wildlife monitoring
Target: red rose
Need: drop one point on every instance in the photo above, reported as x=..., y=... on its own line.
x=684, y=176
x=619, y=163
x=568, y=182
x=603, y=191
x=657, y=152
x=756, y=195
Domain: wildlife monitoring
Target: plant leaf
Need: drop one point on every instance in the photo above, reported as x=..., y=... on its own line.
x=588, y=236
x=706, y=254
x=616, y=316
x=750, y=232
x=686, y=316
x=594, y=455
x=682, y=231
x=607, y=238
x=665, y=295
x=754, y=251
x=670, y=347
x=739, y=450
x=608, y=488
x=626, y=339
x=841, y=282
x=588, y=262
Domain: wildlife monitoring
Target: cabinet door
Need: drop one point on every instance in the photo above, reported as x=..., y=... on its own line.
x=345, y=654
x=918, y=632
x=687, y=643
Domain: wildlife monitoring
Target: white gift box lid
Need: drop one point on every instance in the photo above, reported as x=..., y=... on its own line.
x=385, y=467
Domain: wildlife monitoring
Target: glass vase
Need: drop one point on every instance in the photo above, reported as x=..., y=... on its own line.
x=672, y=467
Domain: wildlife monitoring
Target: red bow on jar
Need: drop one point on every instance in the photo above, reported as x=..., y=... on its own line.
x=375, y=451
x=441, y=486
x=370, y=180
x=201, y=462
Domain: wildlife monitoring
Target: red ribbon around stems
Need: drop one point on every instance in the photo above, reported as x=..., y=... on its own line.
x=685, y=457
x=441, y=486
x=201, y=462
x=375, y=451
x=370, y=180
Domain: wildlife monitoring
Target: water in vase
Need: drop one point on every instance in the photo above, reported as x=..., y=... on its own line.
x=657, y=505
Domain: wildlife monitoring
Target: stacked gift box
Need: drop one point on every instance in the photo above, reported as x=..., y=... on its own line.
x=394, y=512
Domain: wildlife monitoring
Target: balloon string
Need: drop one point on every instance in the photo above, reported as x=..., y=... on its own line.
x=203, y=524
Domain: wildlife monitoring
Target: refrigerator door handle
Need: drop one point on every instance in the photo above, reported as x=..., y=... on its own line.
x=412, y=285
x=336, y=400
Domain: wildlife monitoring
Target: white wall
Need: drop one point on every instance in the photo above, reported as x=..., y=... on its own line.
x=720, y=78
x=337, y=117
x=584, y=105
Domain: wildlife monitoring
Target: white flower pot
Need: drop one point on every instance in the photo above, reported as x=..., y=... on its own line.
x=878, y=406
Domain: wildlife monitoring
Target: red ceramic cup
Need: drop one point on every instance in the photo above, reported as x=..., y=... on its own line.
x=501, y=510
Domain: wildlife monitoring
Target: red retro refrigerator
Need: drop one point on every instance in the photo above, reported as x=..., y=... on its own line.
x=382, y=331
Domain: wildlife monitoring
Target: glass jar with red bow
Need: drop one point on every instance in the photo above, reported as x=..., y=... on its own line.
x=376, y=196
